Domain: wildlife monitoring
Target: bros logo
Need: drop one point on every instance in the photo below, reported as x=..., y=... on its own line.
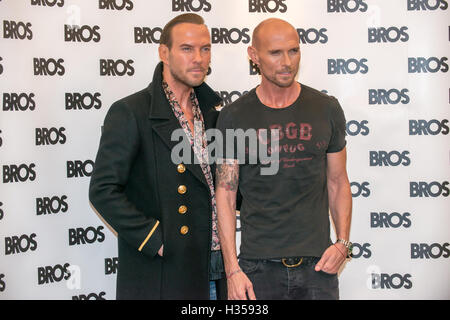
x=427, y=5
x=191, y=5
x=90, y=296
x=81, y=34
x=425, y=65
x=360, y=189
x=346, y=6
x=89, y=235
x=312, y=35
x=425, y=127
x=1, y=211
x=47, y=205
x=17, y=30
x=354, y=128
x=1, y=66
x=233, y=35
x=264, y=6
x=49, y=3
x=428, y=189
x=83, y=101
x=48, y=67
x=110, y=67
x=391, y=34
x=147, y=35
x=392, y=158
x=394, y=281
x=391, y=96
x=50, y=274
x=18, y=102
x=389, y=220
x=361, y=250
x=20, y=244
x=427, y=251
x=78, y=168
x=111, y=265
x=229, y=97
x=46, y=136
x=350, y=66
x=19, y=173
x=115, y=4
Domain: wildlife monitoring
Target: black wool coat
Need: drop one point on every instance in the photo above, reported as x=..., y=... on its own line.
x=135, y=187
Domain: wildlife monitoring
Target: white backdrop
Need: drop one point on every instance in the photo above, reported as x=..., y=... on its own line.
x=386, y=62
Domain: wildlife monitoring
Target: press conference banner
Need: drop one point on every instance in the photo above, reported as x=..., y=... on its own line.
x=63, y=63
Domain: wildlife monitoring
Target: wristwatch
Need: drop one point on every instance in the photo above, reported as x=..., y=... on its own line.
x=348, y=245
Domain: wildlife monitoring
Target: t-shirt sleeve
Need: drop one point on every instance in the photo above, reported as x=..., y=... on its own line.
x=225, y=130
x=337, y=120
x=224, y=123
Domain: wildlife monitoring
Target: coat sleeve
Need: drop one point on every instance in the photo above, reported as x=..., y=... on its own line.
x=119, y=145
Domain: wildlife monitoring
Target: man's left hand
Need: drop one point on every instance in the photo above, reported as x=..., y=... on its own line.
x=332, y=259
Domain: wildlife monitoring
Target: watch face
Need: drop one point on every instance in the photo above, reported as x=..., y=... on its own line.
x=350, y=249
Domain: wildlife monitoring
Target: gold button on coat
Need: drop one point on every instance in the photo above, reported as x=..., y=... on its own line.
x=182, y=189
x=184, y=230
x=181, y=168
x=182, y=209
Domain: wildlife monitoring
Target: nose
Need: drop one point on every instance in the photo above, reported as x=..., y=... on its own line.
x=286, y=60
x=197, y=56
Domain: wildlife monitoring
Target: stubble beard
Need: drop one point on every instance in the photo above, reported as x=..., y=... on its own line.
x=273, y=79
x=178, y=76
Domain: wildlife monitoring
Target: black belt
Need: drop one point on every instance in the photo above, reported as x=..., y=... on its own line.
x=296, y=261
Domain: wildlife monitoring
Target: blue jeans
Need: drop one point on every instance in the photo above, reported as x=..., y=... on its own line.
x=274, y=281
x=212, y=290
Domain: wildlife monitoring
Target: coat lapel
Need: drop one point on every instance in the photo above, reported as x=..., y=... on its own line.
x=164, y=130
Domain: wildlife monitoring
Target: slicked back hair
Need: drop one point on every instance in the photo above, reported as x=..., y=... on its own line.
x=166, y=34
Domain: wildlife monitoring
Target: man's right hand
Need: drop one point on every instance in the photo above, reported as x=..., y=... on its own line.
x=240, y=287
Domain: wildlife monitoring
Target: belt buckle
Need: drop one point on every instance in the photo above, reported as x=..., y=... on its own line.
x=291, y=265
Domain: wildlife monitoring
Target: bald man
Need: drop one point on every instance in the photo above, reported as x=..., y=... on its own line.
x=286, y=251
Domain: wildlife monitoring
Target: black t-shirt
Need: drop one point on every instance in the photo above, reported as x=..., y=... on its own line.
x=286, y=214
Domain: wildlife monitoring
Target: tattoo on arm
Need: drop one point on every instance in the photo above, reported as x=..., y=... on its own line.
x=227, y=175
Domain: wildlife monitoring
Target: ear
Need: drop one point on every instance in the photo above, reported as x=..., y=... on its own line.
x=163, y=51
x=253, y=54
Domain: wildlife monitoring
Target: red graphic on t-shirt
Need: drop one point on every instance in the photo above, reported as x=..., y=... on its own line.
x=287, y=148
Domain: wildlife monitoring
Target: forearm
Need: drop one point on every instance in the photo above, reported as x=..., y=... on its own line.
x=226, y=190
x=340, y=203
x=226, y=205
x=111, y=203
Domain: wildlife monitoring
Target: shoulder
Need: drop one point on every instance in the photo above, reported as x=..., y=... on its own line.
x=321, y=101
x=241, y=104
x=318, y=96
x=134, y=100
x=136, y=103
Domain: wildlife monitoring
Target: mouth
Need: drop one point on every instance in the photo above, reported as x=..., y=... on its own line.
x=197, y=70
x=285, y=73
